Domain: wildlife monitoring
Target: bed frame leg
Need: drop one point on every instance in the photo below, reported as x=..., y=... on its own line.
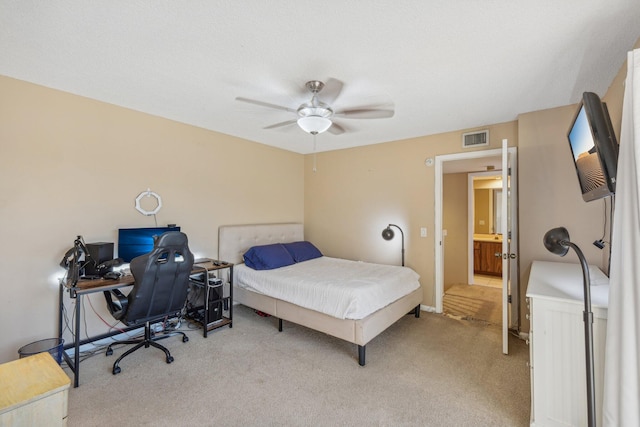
x=361, y=351
x=417, y=311
x=279, y=325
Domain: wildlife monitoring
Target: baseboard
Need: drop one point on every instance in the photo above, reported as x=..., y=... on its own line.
x=96, y=345
x=427, y=308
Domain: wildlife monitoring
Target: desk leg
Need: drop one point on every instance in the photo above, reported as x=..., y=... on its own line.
x=205, y=321
x=60, y=311
x=76, y=354
x=230, y=296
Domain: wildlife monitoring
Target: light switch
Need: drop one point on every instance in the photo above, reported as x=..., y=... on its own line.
x=423, y=231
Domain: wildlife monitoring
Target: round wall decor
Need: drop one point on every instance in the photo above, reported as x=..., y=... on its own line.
x=148, y=193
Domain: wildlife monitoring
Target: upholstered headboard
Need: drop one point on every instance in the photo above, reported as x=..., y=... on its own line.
x=235, y=240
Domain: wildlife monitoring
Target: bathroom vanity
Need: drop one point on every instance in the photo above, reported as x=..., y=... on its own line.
x=485, y=260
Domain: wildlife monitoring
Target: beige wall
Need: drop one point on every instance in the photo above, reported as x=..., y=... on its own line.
x=73, y=166
x=482, y=211
x=455, y=213
x=549, y=190
x=356, y=192
x=550, y=194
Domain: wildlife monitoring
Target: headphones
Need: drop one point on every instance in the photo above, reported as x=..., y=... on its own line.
x=67, y=258
x=75, y=252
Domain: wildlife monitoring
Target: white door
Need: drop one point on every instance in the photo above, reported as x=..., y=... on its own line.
x=509, y=244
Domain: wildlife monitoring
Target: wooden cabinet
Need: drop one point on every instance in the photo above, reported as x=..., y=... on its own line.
x=34, y=392
x=556, y=342
x=485, y=260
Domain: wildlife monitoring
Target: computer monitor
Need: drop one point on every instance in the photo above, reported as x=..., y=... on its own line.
x=133, y=242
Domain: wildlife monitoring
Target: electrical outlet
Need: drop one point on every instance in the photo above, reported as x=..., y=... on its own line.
x=423, y=231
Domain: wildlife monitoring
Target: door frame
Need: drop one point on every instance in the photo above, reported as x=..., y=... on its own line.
x=438, y=232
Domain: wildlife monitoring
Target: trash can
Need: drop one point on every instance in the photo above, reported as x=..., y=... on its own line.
x=52, y=345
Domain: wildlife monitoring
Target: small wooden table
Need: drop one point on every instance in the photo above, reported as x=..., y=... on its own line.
x=35, y=392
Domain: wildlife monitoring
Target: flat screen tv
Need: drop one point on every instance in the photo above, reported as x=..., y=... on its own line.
x=594, y=147
x=133, y=242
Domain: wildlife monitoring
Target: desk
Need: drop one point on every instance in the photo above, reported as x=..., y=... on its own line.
x=85, y=287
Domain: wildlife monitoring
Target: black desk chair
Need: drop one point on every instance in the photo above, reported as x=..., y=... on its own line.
x=159, y=292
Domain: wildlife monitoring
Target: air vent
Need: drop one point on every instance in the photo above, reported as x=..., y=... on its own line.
x=475, y=139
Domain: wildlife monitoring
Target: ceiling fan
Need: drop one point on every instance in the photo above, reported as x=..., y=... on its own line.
x=316, y=117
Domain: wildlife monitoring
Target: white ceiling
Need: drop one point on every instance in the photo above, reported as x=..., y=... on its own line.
x=446, y=64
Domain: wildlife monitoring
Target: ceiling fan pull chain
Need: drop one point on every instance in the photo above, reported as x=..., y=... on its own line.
x=314, y=153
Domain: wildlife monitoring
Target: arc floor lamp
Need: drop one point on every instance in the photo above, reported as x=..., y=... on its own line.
x=388, y=234
x=557, y=242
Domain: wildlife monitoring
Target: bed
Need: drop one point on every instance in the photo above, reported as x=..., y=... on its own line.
x=235, y=240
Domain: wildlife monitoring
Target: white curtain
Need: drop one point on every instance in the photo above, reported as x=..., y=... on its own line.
x=621, y=396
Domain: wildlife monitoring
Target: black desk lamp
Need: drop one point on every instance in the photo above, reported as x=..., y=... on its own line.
x=557, y=242
x=388, y=234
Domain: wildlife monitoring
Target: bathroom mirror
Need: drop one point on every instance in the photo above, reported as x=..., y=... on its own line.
x=487, y=205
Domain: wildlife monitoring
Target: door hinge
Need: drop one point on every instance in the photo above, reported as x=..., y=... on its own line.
x=509, y=299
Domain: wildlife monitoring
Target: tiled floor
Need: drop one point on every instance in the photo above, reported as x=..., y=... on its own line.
x=493, y=281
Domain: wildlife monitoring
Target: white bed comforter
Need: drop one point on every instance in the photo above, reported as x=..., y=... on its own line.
x=337, y=287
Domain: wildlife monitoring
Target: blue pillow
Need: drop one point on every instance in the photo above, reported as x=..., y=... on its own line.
x=302, y=251
x=268, y=257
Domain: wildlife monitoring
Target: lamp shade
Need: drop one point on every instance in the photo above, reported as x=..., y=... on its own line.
x=314, y=124
x=388, y=234
x=556, y=241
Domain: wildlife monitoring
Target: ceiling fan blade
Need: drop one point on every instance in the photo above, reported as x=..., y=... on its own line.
x=265, y=104
x=281, y=124
x=331, y=91
x=366, y=113
x=336, y=129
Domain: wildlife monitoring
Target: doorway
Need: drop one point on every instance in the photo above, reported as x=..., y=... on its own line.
x=485, y=234
x=471, y=214
x=475, y=162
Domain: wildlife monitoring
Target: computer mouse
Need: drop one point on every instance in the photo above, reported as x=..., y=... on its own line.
x=113, y=275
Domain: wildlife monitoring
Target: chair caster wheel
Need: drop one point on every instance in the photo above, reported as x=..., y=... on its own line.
x=116, y=370
x=185, y=338
x=109, y=352
x=169, y=359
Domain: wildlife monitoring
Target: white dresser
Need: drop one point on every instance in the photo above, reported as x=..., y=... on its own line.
x=557, y=344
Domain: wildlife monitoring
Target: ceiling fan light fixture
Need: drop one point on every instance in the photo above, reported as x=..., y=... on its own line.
x=316, y=117
x=314, y=124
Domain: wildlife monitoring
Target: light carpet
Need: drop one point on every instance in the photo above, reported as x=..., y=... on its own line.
x=474, y=302
x=430, y=371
